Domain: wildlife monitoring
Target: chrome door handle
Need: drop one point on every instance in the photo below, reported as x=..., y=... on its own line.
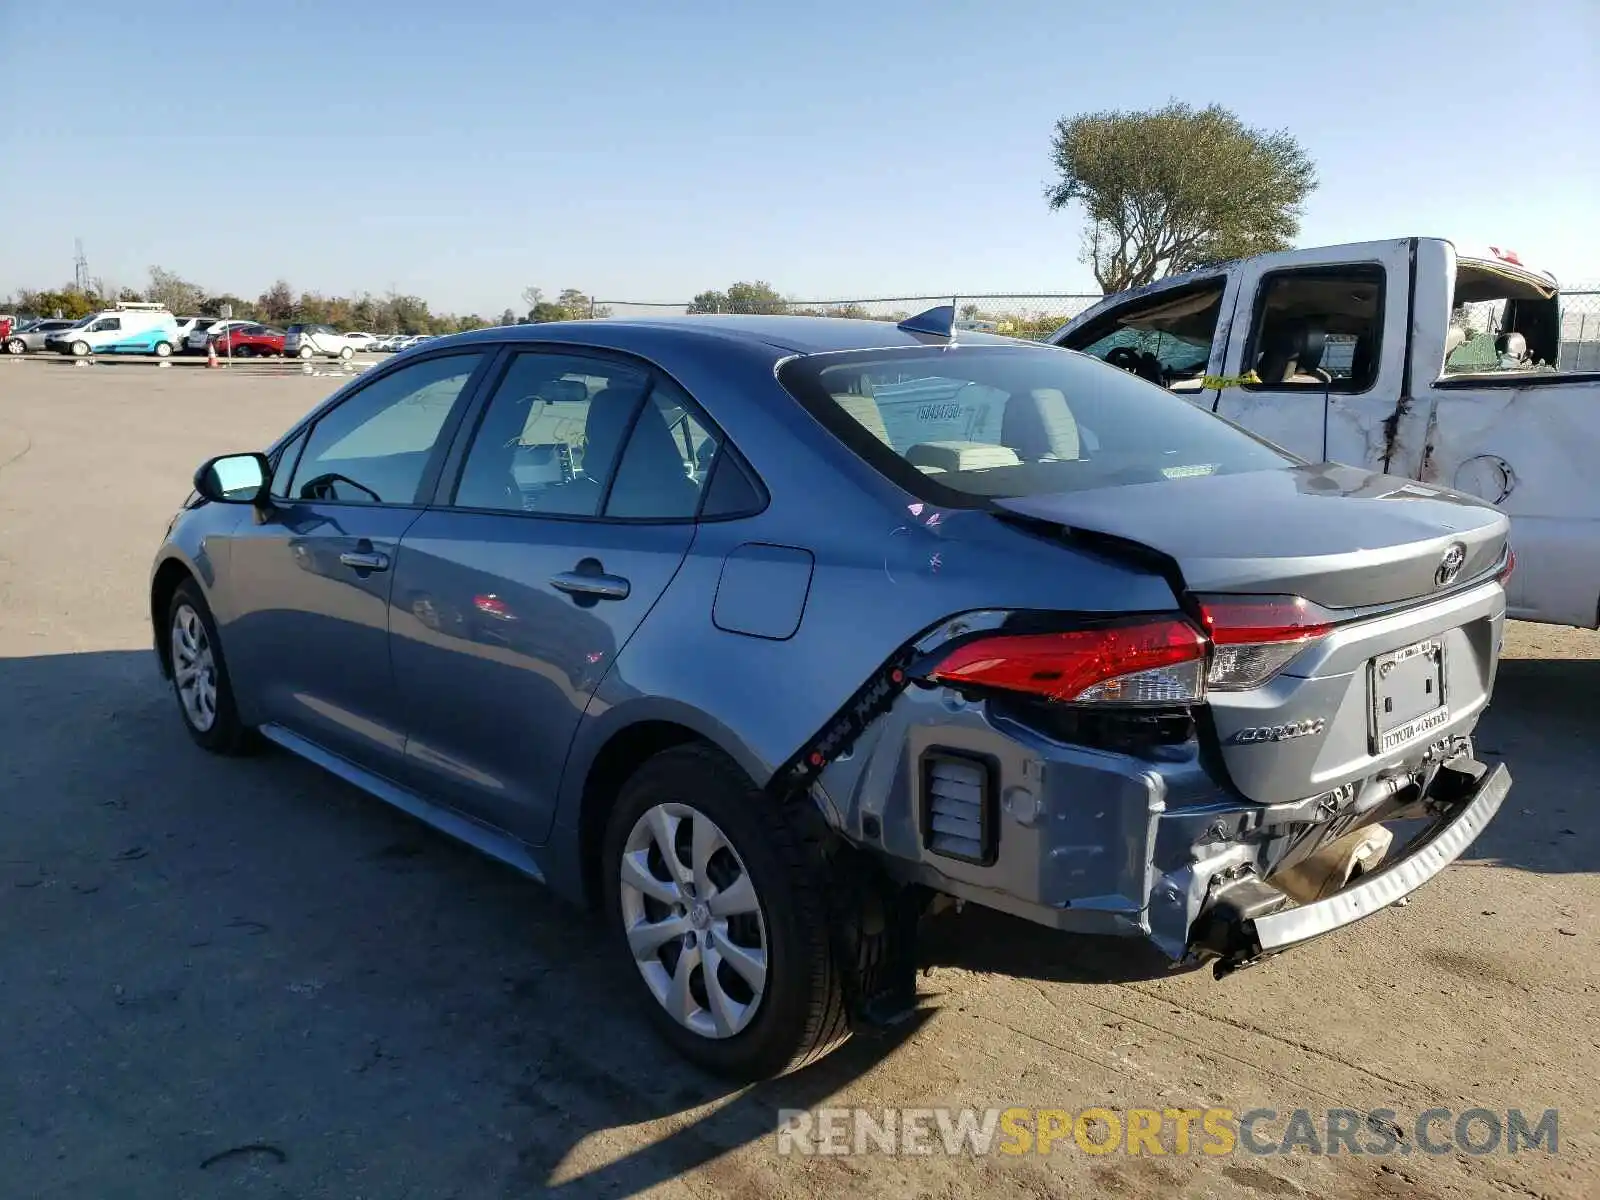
x=601, y=587
x=365, y=560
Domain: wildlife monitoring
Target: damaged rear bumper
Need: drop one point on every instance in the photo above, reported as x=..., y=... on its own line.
x=1242, y=930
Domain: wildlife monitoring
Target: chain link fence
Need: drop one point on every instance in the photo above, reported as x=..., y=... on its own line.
x=1036, y=316
x=1013, y=314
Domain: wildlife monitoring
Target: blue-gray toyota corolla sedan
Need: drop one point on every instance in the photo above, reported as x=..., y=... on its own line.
x=774, y=636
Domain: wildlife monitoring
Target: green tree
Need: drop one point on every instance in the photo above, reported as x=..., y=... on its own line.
x=244, y=310
x=1171, y=189
x=277, y=303
x=66, y=302
x=508, y=317
x=743, y=297
x=177, y=294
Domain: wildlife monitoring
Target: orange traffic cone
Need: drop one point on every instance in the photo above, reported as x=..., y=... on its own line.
x=211, y=355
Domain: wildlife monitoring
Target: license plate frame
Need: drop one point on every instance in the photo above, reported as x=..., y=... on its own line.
x=1408, y=695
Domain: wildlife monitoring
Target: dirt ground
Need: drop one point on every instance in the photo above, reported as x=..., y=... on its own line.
x=244, y=978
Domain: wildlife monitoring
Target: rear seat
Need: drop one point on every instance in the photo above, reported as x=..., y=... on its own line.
x=865, y=411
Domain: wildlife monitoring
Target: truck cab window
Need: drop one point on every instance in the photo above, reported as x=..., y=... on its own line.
x=1165, y=339
x=1318, y=329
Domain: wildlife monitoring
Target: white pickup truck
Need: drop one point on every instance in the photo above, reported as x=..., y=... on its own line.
x=1405, y=356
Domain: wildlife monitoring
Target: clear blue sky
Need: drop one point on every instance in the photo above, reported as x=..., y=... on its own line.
x=650, y=150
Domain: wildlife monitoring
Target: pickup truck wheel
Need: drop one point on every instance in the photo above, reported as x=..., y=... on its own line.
x=719, y=902
x=200, y=676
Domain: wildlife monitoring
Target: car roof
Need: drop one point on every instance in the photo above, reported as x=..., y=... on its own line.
x=794, y=335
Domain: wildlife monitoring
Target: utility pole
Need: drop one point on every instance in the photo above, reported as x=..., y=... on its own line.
x=80, y=267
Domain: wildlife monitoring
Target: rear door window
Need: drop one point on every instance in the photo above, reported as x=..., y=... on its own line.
x=550, y=435
x=1317, y=329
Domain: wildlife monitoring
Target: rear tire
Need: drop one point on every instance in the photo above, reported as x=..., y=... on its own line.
x=306, y=351
x=245, y=352
x=770, y=876
x=163, y=349
x=200, y=681
x=347, y=353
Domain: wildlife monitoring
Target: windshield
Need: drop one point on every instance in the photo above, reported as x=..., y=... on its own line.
x=969, y=423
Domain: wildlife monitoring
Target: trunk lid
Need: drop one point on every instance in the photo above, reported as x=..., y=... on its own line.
x=1414, y=665
x=1339, y=536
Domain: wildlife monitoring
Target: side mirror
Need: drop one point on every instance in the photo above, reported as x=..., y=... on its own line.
x=234, y=479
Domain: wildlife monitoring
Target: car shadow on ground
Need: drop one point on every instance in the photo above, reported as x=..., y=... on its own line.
x=1545, y=725
x=282, y=977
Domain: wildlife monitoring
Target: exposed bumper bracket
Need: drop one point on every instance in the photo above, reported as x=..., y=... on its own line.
x=1241, y=937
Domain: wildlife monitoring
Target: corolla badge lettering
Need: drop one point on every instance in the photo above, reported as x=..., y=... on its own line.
x=1279, y=733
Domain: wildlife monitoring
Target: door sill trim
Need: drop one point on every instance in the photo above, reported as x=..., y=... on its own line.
x=486, y=840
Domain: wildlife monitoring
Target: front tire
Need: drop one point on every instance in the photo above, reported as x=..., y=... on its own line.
x=306, y=352
x=719, y=901
x=80, y=349
x=17, y=347
x=200, y=681
x=347, y=354
x=245, y=352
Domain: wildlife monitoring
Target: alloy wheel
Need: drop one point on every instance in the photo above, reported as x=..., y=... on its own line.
x=693, y=920
x=194, y=668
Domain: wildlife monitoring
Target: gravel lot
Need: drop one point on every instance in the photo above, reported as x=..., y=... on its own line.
x=243, y=978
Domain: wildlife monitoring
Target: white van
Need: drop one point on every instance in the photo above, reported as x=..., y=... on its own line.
x=130, y=328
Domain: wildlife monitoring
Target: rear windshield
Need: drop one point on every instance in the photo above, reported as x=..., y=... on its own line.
x=969, y=423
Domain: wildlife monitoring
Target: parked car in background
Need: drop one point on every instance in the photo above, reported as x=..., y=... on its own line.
x=308, y=341
x=249, y=341
x=30, y=336
x=1051, y=640
x=359, y=341
x=188, y=325
x=206, y=328
x=7, y=322
x=130, y=328
x=389, y=342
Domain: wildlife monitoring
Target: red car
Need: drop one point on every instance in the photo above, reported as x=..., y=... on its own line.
x=249, y=341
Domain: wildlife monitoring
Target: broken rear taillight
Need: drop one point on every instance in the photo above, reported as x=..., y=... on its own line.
x=1152, y=660
x=1255, y=637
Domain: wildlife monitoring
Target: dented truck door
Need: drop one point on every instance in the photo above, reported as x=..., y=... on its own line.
x=1316, y=356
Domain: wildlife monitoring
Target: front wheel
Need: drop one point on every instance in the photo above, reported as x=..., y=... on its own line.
x=306, y=352
x=80, y=349
x=720, y=902
x=16, y=346
x=163, y=349
x=347, y=353
x=200, y=676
